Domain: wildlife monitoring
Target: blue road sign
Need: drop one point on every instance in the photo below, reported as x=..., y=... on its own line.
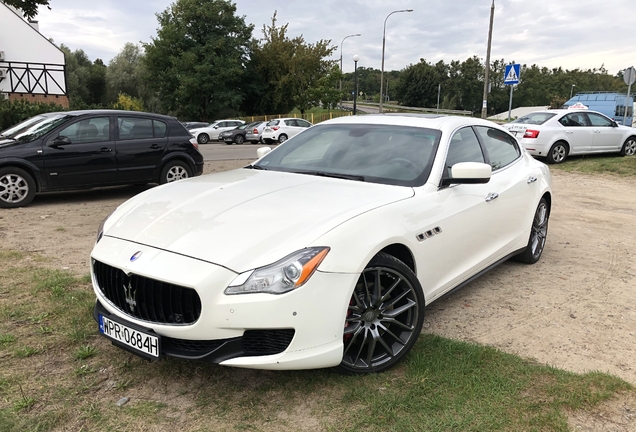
x=511, y=76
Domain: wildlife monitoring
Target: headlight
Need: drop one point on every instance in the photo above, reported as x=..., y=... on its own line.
x=100, y=230
x=285, y=275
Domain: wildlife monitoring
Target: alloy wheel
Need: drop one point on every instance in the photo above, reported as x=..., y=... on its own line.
x=13, y=188
x=539, y=229
x=175, y=173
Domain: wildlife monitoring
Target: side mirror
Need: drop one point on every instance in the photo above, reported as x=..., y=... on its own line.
x=468, y=173
x=262, y=152
x=216, y=127
x=614, y=123
x=60, y=141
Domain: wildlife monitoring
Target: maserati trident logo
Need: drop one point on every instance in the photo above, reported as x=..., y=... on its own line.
x=131, y=296
x=135, y=256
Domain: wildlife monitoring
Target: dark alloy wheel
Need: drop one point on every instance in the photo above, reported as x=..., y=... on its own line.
x=203, y=138
x=629, y=147
x=538, y=235
x=175, y=170
x=558, y=152
x=384, y=318
x=282, y=138
x=239, y=139
x=17, y=187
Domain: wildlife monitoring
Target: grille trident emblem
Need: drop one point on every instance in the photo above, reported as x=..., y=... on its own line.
x=131, y=296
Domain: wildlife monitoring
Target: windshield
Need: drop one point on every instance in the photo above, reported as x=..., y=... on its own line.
x=20, y=127
x=38, y=129
x=535, y=118
x=396, y=155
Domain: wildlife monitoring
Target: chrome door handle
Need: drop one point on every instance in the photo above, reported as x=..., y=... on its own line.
x=531, y=180
x=105, y=150
x=491, y=196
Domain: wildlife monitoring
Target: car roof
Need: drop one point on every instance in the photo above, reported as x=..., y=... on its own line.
x=432, y=121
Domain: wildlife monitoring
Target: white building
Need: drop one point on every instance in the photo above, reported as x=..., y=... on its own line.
x=31, y=67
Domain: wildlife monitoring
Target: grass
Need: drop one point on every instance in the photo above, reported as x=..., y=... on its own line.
x=599, y=164
x=72, y=379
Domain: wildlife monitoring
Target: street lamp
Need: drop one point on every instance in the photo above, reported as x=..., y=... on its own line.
x=383, y=44
x=572, y=88
x=355, y=81
x=353, y=35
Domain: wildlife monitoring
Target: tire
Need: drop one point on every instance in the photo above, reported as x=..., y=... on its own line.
x=282, y=138
x=629, y=147
x=538, y=234
x=173, y=171
x=379, y=332
x=558, y=153
x=17, y=187
x=267, y=141
x=240, y=139
x=203, y=138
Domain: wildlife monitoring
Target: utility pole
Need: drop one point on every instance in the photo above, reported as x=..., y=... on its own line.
x=484, y=106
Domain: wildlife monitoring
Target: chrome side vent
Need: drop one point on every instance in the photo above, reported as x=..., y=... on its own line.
x=428, y=234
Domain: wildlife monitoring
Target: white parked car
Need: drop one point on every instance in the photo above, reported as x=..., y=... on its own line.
x=368, y=220
x=211, y=132
x=556, y=134
x=280, y=130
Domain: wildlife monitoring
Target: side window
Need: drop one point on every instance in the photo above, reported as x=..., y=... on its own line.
x=303, y=123
x=134, y=128
x=502, y=149
x=159, y=128
x=573, y=120
x=291, y=122
x=88, y=130
x=237, y=123
x=222, y=124
x=598, y=120
x=464, y=147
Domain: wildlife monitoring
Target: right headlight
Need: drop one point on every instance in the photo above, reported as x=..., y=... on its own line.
x=100, y=230
x=282, y=276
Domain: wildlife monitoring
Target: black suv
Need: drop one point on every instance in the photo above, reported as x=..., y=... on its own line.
x=92, y=148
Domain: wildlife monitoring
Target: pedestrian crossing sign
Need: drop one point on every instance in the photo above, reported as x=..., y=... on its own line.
x=511, y=75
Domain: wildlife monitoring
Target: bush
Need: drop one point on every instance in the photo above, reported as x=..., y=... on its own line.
x=13, y=112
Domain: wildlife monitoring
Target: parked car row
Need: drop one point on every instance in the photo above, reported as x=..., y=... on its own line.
x=238, y=132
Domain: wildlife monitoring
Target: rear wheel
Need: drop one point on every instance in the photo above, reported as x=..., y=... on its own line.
x=558, y=152
x=239, y=139
x=203, y=138
x=17, y=187
x=282, y=138
x=629, y=147
x=173, y=171
x=384, y=318
x=538, y=235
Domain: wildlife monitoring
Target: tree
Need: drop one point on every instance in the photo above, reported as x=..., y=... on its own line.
x=125, y=71
x=85, y=80
x=197, y=61
x=287, y=71
x=29, y=8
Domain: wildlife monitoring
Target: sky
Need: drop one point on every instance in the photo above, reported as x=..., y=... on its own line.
x=573, y=34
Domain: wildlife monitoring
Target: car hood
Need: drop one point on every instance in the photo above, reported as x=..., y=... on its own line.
x=244, y=219
x=6, y=142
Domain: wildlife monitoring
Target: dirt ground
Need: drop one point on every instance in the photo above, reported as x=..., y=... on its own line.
x=575, y=309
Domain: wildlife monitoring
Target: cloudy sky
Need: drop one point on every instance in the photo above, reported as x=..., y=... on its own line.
x=569, y=33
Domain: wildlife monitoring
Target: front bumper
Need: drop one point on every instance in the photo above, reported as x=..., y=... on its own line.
x=314, y=314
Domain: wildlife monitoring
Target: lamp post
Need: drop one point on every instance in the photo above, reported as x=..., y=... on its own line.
x=353, y=35
x=572, y=88
x=383, y=44
x=484, y=106
x=355, y=81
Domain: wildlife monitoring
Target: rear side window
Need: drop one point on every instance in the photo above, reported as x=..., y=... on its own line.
x=501, y=147
x=159, y=128
x=134, y=128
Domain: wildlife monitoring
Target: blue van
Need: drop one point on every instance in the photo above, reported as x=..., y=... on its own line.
x=609, y=103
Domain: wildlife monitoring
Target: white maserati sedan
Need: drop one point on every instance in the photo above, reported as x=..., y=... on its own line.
x=325, y=251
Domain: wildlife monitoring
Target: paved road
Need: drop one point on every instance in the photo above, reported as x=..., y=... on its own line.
x=221, y=151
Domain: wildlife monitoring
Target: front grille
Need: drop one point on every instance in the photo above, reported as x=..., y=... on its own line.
x=148, y=299
x=190, y=348
x=266, y=342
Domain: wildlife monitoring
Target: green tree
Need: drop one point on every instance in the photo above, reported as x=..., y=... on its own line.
x=29, y=8
x=125, y=73
x=85, y=80
x=197, y=61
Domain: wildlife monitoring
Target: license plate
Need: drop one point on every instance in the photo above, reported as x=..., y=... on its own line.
x=144, y=344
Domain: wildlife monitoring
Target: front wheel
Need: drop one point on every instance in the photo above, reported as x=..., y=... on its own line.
x=173, y=171
x=384, y=317
x=240, y=139
x=629, y=147
x=538, y=235
x=203, y=138
x=17, y=187
x=558, y=152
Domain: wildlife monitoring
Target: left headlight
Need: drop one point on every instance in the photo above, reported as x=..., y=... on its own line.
x=285, y=275
x=100, y=230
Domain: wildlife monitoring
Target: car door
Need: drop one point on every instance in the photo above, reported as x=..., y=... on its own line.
x=607, y=138
x=81, y=154
x=141, y=142
x=578, y=132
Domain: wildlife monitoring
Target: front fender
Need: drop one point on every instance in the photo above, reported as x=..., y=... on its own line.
x=29, y=167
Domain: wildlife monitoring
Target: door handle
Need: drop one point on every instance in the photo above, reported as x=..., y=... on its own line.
x=105, y=150
x=154, y=146
x=531, y=179
x=492, y=196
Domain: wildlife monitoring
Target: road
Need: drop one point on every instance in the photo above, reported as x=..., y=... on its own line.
x=218, y=151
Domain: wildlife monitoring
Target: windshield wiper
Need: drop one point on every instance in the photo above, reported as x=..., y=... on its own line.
x=333, y=175
x=256, y=167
